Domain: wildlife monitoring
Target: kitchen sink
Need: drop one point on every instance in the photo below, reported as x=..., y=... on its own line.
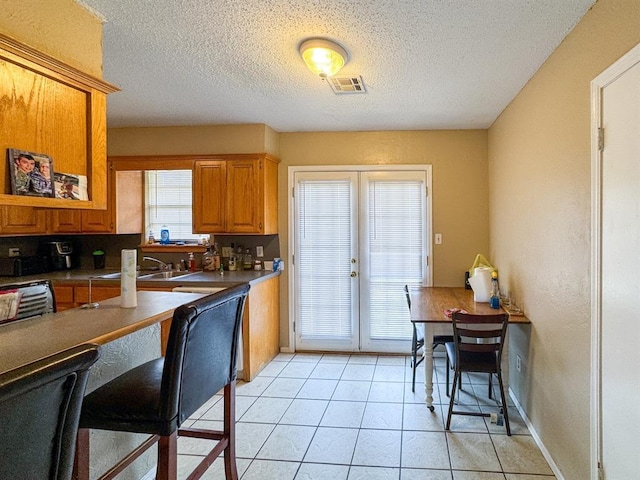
x=165, y=274
x=146, y=275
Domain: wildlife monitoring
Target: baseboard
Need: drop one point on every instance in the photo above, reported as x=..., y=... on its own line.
x=536, y=438
x=287, y=350
x=150, y=475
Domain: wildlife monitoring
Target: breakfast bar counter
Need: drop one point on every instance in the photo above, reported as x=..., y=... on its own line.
x=31, y=339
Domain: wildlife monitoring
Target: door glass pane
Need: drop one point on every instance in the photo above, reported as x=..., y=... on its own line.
x=322, y=259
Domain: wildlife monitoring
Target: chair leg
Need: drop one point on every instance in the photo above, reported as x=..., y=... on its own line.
x=452, y=399
x=505, y=410
x=491, y=385
x=414, y=354
x=230, y=467
x=448, y=367
x=168, y=457
x=81, y=459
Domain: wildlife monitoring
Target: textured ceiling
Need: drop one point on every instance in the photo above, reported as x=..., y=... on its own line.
x=426, y=64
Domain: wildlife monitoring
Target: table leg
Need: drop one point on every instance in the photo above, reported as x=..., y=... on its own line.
x=428, y=365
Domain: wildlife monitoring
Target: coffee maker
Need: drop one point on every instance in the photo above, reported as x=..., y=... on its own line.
x=59, y=253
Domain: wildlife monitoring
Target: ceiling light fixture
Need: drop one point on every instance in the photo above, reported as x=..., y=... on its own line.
x=323, y=57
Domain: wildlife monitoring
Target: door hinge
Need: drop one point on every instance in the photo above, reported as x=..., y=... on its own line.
x=293, y=192
x=293, y=259
x=294, y=327
x=600, y=471
x=426, y=189
x=427, y=260
x=601, y=138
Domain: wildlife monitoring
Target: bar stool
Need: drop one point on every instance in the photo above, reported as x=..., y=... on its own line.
x=158, y=396
x=39, y=411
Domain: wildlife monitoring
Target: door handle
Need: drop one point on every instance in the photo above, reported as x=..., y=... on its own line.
x=354, y=274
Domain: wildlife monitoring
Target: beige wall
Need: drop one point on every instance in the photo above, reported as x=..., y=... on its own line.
x=460, y=187
x=539, y=177
x=203, y=139
x=60, y=28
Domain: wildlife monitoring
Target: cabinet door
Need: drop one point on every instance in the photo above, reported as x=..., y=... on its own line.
x=245, y=202
x=209, y=196
x=22, y=220
x=97, y=221
x=66, y=221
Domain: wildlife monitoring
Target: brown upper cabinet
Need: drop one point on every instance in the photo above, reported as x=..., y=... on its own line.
x=236, y=194
x=51, y=108
x=123, y=214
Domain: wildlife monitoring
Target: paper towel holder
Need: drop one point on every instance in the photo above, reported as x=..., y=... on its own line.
x=90, y=304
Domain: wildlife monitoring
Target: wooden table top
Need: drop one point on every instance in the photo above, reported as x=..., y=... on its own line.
x=428, y=305
x=31, y=339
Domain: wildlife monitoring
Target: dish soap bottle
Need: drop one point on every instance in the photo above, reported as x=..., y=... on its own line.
x=164, y=235
x=494, y=300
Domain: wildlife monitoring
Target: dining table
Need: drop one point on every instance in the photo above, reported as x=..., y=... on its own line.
x=432, y=306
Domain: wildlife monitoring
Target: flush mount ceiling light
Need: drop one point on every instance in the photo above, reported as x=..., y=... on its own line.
x=323, y=57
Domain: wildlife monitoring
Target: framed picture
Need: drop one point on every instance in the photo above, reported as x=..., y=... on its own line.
x=31, y=173
x=70, y=186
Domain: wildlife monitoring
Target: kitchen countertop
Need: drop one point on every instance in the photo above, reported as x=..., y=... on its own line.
x=195, y=279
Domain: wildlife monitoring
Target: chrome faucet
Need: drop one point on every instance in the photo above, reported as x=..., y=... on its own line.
x=161, y=264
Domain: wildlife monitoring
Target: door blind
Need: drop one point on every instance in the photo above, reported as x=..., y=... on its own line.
x=396, y=246
x=324, y=238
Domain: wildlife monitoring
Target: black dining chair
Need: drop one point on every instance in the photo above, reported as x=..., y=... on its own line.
x=417, y=342
x=158, y=396
x=477, y=346
x=39, y=412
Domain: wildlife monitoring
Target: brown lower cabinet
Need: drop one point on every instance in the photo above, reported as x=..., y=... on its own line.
x=260, y=322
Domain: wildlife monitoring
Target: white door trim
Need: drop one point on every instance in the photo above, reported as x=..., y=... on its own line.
x=291, y=170
x=597, y=85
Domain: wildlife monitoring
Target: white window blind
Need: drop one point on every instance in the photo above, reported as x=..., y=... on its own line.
x=395, y=238
x=168, y=202
x=324, y=237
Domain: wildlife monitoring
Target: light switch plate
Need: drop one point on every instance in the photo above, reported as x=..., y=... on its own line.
x=438, y=238
x=260, y=251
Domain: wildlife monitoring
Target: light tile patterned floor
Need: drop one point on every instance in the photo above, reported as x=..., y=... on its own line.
x=352, y=417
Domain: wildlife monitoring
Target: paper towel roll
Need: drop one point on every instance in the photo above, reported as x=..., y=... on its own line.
x=128, y=262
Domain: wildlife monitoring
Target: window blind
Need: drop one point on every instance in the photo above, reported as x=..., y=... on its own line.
x=168, y=202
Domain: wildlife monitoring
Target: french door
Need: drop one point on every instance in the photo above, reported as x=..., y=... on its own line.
x=358, y=238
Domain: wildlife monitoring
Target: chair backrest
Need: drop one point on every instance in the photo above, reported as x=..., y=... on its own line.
x=479, y=333
x=406, y=292
x=39, y=413
x=201, y=351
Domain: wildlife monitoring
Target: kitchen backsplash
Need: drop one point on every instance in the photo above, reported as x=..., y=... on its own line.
x=85, y=245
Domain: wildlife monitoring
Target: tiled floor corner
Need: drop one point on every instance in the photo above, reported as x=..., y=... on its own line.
x=352, y=417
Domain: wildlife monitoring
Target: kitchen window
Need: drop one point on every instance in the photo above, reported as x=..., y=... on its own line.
x=168, y=202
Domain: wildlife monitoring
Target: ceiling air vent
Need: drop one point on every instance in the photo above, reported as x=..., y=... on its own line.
x=342, y=85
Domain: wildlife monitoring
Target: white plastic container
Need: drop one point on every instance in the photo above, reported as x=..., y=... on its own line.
x=481, y=284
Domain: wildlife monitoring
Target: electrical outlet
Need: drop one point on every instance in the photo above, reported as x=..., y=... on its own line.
x=518, y=363
x=14, y=252
x=438, y=239
x=259, y=251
